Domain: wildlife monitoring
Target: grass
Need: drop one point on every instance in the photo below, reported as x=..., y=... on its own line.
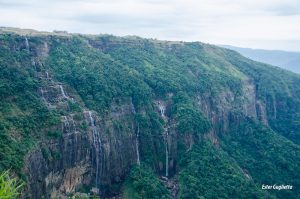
x=10, y=187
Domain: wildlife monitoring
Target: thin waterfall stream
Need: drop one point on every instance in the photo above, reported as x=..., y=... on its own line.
x=62, y=91
x=137, y=135
x=167, y=155
x=137, y=146
x=27, y=44
x=166, y=135
x=66, y=122
x=97, y=144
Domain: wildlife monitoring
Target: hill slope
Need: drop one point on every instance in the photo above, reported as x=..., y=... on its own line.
x=140, y=118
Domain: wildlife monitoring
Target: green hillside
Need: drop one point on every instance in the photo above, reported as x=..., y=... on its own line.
x=142, y=118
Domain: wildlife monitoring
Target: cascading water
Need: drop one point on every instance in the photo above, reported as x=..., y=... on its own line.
x=137, y=146
x=66, y=122
x=132, y=108
x=47, y=75
x=161, y=109
x=166, y=135
x=43, y=96
x=62, y=91
x=137, y=135
x=27, y=44
x=97, y=144
x=167, y=155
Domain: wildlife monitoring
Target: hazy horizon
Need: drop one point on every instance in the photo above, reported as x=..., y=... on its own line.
x=270, y=25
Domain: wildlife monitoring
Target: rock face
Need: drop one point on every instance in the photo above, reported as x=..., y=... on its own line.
x=89, y=153
x=84, y=155
x=221, y=109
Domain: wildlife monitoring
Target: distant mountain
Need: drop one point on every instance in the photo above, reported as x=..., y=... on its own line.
x=284, y=59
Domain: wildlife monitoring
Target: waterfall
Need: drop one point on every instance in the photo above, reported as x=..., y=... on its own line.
x=93, y=127
x=69, y=123
x=132, y=108
x=27, y=44
x=91, y=118
x=66, y=122
x=167, y=157
x=47, y=75
x=137, y=135
x=162, y=110
x=137, y=146
x=97, y=144
x=43, y=96
x=62, y=91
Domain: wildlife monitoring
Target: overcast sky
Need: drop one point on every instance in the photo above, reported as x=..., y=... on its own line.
x=267, y=24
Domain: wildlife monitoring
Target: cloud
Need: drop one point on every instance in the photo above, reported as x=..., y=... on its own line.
x=235, y=22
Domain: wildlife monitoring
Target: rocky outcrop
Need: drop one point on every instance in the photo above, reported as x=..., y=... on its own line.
x=226, y=108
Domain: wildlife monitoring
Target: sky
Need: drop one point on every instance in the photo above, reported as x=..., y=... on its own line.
x=264, y=24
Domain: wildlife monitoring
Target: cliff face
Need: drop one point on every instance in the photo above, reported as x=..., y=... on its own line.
x=91, y=151
x=125, y=102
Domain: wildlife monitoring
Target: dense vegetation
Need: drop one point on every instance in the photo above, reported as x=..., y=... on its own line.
x=210, y=173
x=256, y=147
x=143, y=183
x=202, y=87
x=22, y=113
x=190, y=120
